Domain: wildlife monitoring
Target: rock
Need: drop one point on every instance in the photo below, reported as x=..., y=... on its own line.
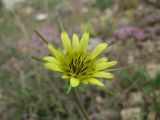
x=41, y=16
x=131, y=59
x=149, y=47
x=153, y=69
x=157, y=92
x=135, y=98
x=131, y=114
x=99, y=99
x=84, y=10
x=106, y=115
x=109, y=13
x=151, y=115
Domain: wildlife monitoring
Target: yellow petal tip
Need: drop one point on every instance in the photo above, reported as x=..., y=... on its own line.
x=74, y=82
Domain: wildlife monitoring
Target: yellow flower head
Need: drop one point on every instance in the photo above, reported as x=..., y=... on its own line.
x=76, y=63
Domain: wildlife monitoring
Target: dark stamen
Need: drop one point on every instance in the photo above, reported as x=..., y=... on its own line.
x=82, y=63
x=84, y=69
x=84, y=73
x=70, y=66
x=87, y=61
x=72, y=62
x=79, y=59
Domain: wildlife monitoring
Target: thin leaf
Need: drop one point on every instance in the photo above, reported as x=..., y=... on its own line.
x=38, y=59
x=61, y=26
x=69, y=89
x=42, y=38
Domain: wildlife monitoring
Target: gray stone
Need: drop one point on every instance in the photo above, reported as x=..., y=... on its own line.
x=135, y=98
x=131, y=113
x=153, y=69
x=106, y=115
x=151, y=115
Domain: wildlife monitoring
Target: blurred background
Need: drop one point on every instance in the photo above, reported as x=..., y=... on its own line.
x=30, y=92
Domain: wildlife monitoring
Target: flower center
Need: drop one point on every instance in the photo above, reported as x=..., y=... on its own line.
x=79, y=65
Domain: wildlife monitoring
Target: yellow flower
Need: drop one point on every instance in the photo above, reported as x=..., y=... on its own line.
x=76, y=63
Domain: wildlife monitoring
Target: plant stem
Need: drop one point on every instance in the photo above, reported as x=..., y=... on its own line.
x=79, y=104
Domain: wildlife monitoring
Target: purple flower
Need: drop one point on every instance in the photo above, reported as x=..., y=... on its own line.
x=126, y=32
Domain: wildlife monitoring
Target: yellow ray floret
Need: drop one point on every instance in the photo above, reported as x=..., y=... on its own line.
x=97, y=50
x=66, y=41
x=102, y=74
x=84, y=41
x=75, y=41
x=105, y=65
x=95, y=81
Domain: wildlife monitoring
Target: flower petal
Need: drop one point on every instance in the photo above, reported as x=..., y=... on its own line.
x=66, y=41
x=84, y=41
x=53, y=66
x=103, y=59
x=65, y=77
x=54, y=51
x=105, y=65
x=51, y=59
x=97, y=50
x=85, y=81
x=75, y=41
x=103, y=74
x=74, y=82
x=95, y=81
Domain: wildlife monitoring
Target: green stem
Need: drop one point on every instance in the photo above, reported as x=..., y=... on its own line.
x=79, y=104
